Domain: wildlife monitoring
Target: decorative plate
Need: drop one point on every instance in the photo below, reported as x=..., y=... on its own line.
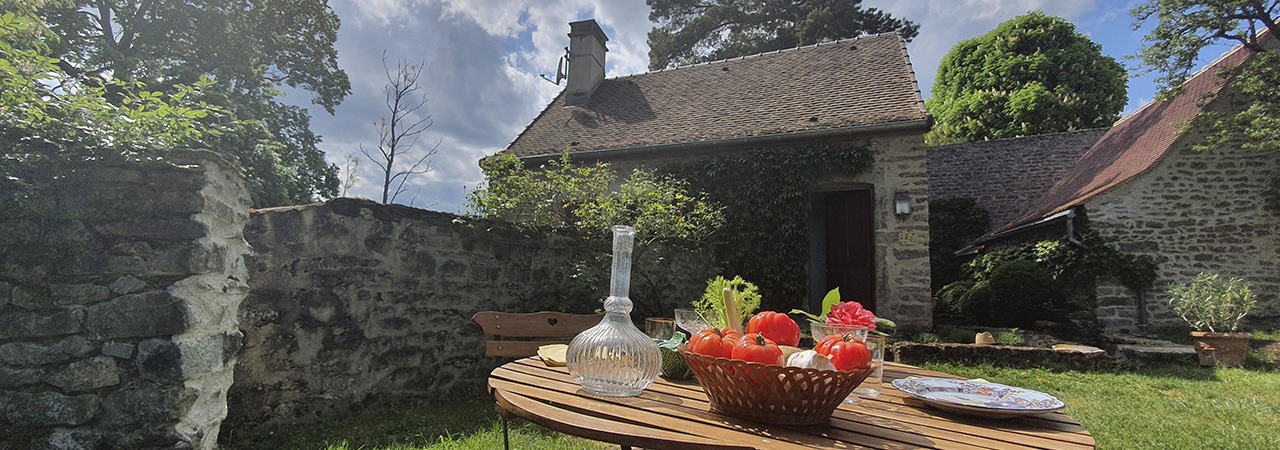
x=978, y=398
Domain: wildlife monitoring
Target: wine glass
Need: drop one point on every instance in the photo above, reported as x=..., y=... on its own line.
x=691, y=322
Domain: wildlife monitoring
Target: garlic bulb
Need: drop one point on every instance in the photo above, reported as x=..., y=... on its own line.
x=810, y=359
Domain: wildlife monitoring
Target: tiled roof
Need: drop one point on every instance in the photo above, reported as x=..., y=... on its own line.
x=1134, y=145
x=848, y=83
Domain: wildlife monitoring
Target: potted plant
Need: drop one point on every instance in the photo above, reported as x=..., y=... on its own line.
x=1213, y=306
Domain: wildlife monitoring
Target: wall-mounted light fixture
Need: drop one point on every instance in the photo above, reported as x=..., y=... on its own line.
x=901, y=203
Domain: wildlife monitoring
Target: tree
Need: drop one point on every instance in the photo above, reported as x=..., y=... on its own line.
x=49, y=119
x=694, y=31
x=1184, y=28
x=251, y=48
x=398, y=134
x=1031, y=75
x=578, y=198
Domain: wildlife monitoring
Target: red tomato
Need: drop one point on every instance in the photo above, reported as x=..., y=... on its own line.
x=755, y=347
x=845, y=352
x=776, y=327
x=713, y=342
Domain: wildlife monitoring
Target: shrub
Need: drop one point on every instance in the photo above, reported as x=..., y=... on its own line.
x=956, y=335
x=951, y=298
x=1212, y=303
x=1020, y=293
x=1011, y=337
x=925, y=338
x=1008, y=293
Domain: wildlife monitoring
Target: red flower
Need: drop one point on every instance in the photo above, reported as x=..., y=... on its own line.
x=851, y=313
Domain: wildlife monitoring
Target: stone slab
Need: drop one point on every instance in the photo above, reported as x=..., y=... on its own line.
x=152, y=313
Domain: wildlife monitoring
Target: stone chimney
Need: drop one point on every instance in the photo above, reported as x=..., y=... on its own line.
x=586, y=61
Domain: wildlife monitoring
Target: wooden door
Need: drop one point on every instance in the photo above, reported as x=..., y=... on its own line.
x=850, y=245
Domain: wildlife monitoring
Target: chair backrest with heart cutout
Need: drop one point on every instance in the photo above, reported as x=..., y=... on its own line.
x=520, y=334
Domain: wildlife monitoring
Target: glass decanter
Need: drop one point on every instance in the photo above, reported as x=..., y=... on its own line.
x=614, y=358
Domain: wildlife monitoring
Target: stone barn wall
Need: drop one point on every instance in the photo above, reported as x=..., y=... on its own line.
x=1192, y=212
x=119, y=286
x=353, y=303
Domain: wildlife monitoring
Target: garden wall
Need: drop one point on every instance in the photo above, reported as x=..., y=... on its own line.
x=1005, y=176
x=122, y=323
x=1192, y=212
x=119, y=287
x=354, y=303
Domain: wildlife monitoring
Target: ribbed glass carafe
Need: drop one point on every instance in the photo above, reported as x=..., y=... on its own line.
x=614, y=358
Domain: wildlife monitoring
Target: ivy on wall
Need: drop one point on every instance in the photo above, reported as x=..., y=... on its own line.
x=767, y=199
x=953, y=224
x=1019, y=284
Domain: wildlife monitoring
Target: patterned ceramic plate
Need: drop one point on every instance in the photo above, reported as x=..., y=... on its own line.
x=978, y=397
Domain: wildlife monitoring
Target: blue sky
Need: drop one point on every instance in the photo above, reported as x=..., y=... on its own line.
x=483, y=59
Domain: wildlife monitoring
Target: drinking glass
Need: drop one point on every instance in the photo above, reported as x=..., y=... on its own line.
x=821, y=330
x=660, y=328
x=870, y=387
x=690, y=321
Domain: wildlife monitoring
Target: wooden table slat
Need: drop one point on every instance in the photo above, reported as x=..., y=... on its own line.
x=592, y=427
x=671, y=413
x=698, y=420
x=1020, y=430
x=876, y=437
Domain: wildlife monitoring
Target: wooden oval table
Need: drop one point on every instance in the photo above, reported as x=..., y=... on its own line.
x=674, y=415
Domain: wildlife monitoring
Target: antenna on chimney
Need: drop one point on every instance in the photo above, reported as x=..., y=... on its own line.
x=560, y=75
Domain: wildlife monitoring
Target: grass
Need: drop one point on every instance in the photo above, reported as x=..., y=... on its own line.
x=1171, y=407
x=1158, y=408
x=454, y=424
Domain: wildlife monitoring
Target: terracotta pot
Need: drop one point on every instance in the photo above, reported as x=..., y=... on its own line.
x=1221, y=349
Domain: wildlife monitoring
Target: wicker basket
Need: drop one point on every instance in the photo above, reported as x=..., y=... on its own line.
x=772, y=394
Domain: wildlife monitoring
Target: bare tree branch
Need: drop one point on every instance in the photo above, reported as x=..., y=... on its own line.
x=399, y=132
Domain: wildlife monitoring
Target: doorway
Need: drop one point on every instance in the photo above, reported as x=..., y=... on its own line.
x=847, y=233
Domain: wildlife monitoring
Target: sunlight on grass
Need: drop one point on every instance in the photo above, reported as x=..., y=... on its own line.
x=1149, y=408
x=455, y=424
x=1156, y=408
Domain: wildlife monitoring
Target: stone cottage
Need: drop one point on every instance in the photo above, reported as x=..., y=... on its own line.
x=867, y=231
x=1145, y=189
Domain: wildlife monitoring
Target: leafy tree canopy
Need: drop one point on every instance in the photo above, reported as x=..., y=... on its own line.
x=250, y=49
x=694, y=31
x=1184, y=28
x=562, y=195
x=1031, y=75
x=48, y=117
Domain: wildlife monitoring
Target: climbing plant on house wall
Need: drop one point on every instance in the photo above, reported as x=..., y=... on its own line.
x=1040, y=280
x=767, y=199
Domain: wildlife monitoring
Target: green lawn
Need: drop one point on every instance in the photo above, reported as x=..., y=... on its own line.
x=1159, y=408
x=1150, y=408
x=468, y=423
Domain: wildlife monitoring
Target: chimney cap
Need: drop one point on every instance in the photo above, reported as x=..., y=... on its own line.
x=588, y=26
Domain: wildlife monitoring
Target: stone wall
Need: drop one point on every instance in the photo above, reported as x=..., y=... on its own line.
x=1005, y=176
x=118, y=296
x=354, y=304
x=1192, y=212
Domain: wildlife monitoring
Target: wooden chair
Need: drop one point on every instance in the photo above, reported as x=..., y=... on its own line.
x=514, y=335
